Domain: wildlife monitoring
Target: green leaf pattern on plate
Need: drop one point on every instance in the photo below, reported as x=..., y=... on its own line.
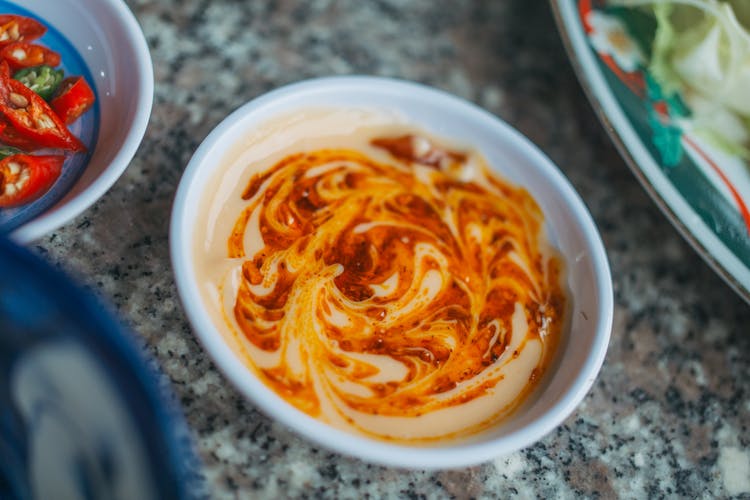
x=667, y=137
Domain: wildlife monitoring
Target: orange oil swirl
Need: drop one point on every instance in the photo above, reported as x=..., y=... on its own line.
x=391, y=287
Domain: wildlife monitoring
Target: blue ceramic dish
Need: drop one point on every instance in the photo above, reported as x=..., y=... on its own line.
x=81, y=412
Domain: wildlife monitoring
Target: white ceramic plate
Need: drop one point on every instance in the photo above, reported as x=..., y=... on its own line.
x=108, y=38
x=569, y=226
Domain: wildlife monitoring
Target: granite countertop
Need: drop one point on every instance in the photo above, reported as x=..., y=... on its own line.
x=669, y=413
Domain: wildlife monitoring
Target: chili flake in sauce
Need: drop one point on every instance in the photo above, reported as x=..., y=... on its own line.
x=405, y=292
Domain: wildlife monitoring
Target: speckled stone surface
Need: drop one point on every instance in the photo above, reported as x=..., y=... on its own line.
x=669, y=414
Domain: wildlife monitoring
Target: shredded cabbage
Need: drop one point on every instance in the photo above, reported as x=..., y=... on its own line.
x=701, y=49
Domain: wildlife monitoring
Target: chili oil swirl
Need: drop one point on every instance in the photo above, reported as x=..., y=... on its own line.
x=384, y=292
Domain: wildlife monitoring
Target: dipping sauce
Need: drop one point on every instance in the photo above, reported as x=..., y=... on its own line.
x=378, y=278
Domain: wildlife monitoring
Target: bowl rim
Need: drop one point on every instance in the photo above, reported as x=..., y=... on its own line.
x=372, y=450
x=64, y=211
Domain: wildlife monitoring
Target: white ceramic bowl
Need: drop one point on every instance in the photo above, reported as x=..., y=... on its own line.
x=569, y=227
x=109, y=39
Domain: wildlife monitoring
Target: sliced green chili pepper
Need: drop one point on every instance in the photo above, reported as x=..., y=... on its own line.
x=43, y=80
x=6, y=151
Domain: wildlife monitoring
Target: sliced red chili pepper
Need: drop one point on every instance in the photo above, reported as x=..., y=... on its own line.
x=73, y=98
x=19, y=29
x=30, y=123
x=24, y=55
x=24, y=178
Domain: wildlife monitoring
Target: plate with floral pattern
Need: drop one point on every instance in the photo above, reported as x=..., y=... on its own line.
x=666, y=79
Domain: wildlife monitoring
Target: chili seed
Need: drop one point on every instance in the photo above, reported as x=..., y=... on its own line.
x=13, y=31
x=45, y=121
x=14, y=168
x=23, y=178
x=18, y=100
